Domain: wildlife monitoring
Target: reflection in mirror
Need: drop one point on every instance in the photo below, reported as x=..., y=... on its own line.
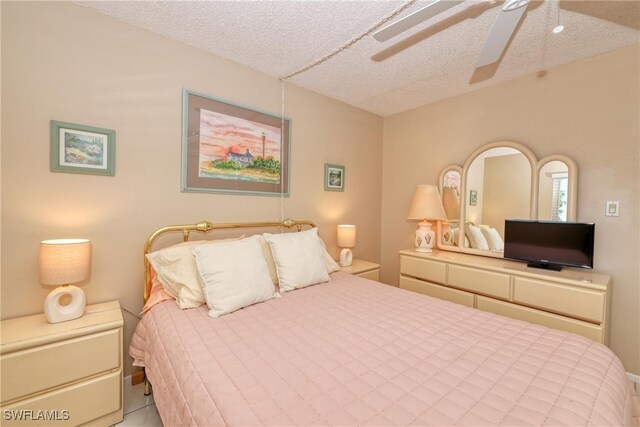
x=451, y=194
x=498, y=187
x=553, y=189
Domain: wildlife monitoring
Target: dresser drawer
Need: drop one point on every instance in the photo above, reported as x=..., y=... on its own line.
x=372, y=275
x=80, y=403
x=550, y=320
x=432, y=271
x=37, y=369
x=580, y=303
x=436, y=291
x=479, y=281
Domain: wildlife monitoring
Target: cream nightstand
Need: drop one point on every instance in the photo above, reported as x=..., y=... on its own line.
x=67, y=373
x=366, y=269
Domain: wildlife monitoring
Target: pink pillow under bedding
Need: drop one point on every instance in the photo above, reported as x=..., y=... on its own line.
x=157, y=294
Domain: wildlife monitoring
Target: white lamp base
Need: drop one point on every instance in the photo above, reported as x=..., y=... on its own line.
x=346, y=257
x=425, y=237
x=56, y=312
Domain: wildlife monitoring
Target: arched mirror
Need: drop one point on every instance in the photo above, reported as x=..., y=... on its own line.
x=500, y=181
x=556, y=191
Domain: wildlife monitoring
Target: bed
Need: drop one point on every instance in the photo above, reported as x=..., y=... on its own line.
x=352, y=351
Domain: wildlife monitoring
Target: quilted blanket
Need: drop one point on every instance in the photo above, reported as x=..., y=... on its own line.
x=357, y=352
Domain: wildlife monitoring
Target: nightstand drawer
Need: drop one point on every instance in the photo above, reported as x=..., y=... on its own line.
x=371, y=275
x=79, y=403
x=581, y=303
x=436, y=291
x=479, y=281
x=424, y=269
x=37, y=369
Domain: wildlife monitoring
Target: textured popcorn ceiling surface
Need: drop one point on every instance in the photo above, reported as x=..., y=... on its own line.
x=432, y=61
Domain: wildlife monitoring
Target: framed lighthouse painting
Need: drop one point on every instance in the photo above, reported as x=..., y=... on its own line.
x=231, y=148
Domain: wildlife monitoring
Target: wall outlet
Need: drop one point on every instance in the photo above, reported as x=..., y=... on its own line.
x=612, y=208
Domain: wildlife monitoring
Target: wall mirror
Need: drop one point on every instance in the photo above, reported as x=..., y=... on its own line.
x=499, y=181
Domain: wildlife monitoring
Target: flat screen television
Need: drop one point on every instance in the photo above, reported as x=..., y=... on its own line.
x=549, y=245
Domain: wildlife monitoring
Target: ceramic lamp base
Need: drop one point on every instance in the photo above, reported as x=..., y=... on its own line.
x=425, y=237
x=346, y=257
x=56, y=312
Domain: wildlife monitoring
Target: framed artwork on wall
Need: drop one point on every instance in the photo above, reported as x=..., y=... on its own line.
x=230, y=148
x=82, y=149
x=473, y=197
x=333, y=177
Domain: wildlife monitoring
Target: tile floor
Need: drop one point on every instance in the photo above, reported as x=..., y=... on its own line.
x=139, y=410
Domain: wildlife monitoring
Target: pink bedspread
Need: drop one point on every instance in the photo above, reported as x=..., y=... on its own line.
x=353, y=351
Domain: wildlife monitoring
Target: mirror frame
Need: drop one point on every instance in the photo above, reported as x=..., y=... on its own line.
x=536, y=166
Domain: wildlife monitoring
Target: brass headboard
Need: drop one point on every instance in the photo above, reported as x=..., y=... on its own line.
x=205, y=226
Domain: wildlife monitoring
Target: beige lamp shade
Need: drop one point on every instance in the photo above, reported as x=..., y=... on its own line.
x=346, y=236
x=426, y=204
x=64, y=261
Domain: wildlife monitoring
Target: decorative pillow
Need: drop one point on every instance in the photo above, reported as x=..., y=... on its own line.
x=178, y=273
x=234, y=275
x=329, y=262
x=476, y=239
x=456, y=232
x=494, y=240
x=299, y=257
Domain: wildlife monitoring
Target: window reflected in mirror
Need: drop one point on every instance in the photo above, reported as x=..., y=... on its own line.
x=553, y=190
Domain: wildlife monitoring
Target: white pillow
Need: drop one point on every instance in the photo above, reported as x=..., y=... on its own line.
x=476, y=239
x=456, y=232
x=329, y=262
x=178, y=274
x=299, y=257
x=493, y=238
x=234, y=275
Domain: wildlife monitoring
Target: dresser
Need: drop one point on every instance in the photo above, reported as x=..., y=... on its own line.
x=572, y=300
x=65, y=374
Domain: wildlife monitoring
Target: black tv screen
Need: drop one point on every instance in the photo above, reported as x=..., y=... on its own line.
x=552, y=245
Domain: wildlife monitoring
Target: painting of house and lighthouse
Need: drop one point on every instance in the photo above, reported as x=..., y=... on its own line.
x=235, y=148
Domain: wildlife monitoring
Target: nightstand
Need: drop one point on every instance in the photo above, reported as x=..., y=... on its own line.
x=67, y=373
x=362, y=268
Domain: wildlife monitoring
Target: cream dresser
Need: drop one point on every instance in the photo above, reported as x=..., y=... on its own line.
x=572, y=300
x=362, y=268
x=65, y=374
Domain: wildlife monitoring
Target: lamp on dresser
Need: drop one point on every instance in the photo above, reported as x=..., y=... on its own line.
x=346, y=240
x=426, y=206
x=63, y=262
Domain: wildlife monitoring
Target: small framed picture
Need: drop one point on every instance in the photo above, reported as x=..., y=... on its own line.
x=473, y=197
x=333, y=177
x=82, y=149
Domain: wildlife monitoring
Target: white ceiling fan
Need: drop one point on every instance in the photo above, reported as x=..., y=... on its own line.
x=508, y=18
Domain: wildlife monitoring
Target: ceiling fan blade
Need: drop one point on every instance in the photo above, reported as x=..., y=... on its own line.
x=500, y=34
x=429, y=11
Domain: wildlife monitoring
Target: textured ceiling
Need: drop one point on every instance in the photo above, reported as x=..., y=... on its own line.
x=432, y=61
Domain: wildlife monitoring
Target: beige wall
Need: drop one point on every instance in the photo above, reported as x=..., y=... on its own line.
x=65, y=62
x=588, y=110
x=506, y=190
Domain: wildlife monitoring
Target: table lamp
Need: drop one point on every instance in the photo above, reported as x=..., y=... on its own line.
x=62, y=262
x=346, y=240
x=425, y=206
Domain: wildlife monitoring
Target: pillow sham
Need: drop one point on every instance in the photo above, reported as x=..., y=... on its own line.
x=177, y=271
x=299, y=257
x=456, y=233
x=157, y=293
x=476, y=239
x=494, y=240
x=234, y=275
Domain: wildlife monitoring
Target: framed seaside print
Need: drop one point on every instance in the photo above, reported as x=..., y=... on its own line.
x=82, y=149
x=333, y=177
x=229, y=148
